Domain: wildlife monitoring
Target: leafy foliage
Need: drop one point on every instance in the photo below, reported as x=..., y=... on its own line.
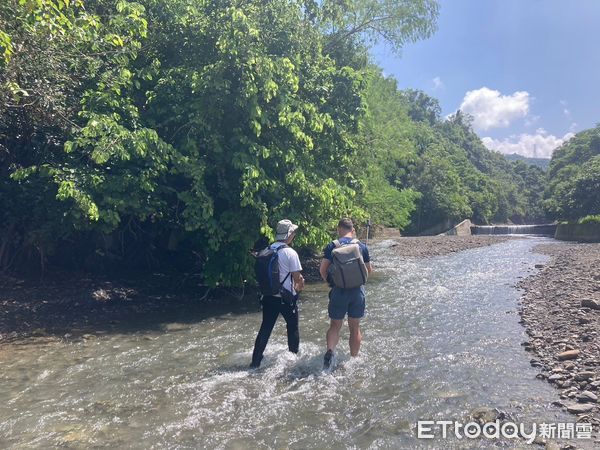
x=387, y=154
x=161, y=131
x=574, y=177
x=590, y=219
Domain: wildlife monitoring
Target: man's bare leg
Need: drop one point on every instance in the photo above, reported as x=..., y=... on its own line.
x=355, y=335
x=333, y=333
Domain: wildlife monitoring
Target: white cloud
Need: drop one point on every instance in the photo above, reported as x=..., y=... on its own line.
x=491, y=109
x=438, y=83
x=538, y=145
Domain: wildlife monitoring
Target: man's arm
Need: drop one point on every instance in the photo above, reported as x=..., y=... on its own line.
x=369, y=267
x=298, y=281
x=325, y=263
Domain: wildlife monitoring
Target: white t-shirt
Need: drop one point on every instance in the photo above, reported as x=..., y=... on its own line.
x=288, y=262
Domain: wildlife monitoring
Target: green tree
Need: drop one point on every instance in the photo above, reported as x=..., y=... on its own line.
x=573, y=176
x=387, y=153
x=395, y=22
x=422, y=107
x=235, y=114
x=54, y=52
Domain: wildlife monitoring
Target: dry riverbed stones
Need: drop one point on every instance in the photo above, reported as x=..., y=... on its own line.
x=560, y=310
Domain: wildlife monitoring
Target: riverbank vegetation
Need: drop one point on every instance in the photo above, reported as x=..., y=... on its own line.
x=574, y=179
x=174, y=134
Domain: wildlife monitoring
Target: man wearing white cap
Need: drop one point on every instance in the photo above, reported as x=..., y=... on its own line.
x=292, y=281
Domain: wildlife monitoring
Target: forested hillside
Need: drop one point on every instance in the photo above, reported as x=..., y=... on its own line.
x=423, y=170
x=177, y=132
x=573, y=190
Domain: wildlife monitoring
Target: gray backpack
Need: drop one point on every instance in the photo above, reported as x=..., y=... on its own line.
x=348, y=270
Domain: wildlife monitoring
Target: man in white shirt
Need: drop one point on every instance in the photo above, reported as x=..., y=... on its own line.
x=287, y=305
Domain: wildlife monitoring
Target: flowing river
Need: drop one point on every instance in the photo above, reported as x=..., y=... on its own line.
x=441, y=338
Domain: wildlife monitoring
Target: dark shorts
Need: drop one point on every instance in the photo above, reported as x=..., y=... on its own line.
x=346, y=301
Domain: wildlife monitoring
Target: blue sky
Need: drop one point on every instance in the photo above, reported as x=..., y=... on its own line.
x=531, y=68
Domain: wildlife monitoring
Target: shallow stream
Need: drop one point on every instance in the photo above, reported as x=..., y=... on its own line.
x=441, y=338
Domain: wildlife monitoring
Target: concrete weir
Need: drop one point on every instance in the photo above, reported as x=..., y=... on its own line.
x=540, y=229
x=467, y=228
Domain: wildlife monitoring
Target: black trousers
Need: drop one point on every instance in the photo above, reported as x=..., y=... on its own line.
x=272, y=307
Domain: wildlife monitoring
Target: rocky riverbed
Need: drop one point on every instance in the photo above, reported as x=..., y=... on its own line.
x=561, y=313
x=428, y=246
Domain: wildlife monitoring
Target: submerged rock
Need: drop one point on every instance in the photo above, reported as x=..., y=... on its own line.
x=484, y=414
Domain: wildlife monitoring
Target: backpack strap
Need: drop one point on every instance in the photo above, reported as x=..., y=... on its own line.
x=286, y=277
x=289, y=273
x=337, y=242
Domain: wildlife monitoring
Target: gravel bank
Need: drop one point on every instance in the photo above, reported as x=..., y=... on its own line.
x=428, y=246
x=561, y=313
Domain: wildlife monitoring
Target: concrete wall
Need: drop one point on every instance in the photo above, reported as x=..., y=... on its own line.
x=462, y=229
x=438, y=228
x=587, y=232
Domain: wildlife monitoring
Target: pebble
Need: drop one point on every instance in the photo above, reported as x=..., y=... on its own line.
x=585, y=375
x=579, y=408
x=587, y=396
x=569, y=354
x=551, y=446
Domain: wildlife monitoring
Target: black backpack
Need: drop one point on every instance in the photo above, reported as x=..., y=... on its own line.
x=266, y=267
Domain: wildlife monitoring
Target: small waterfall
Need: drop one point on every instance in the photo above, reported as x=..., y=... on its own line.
x=540, y=229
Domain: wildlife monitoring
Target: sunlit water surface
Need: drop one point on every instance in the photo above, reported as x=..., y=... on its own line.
x=441, y=337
